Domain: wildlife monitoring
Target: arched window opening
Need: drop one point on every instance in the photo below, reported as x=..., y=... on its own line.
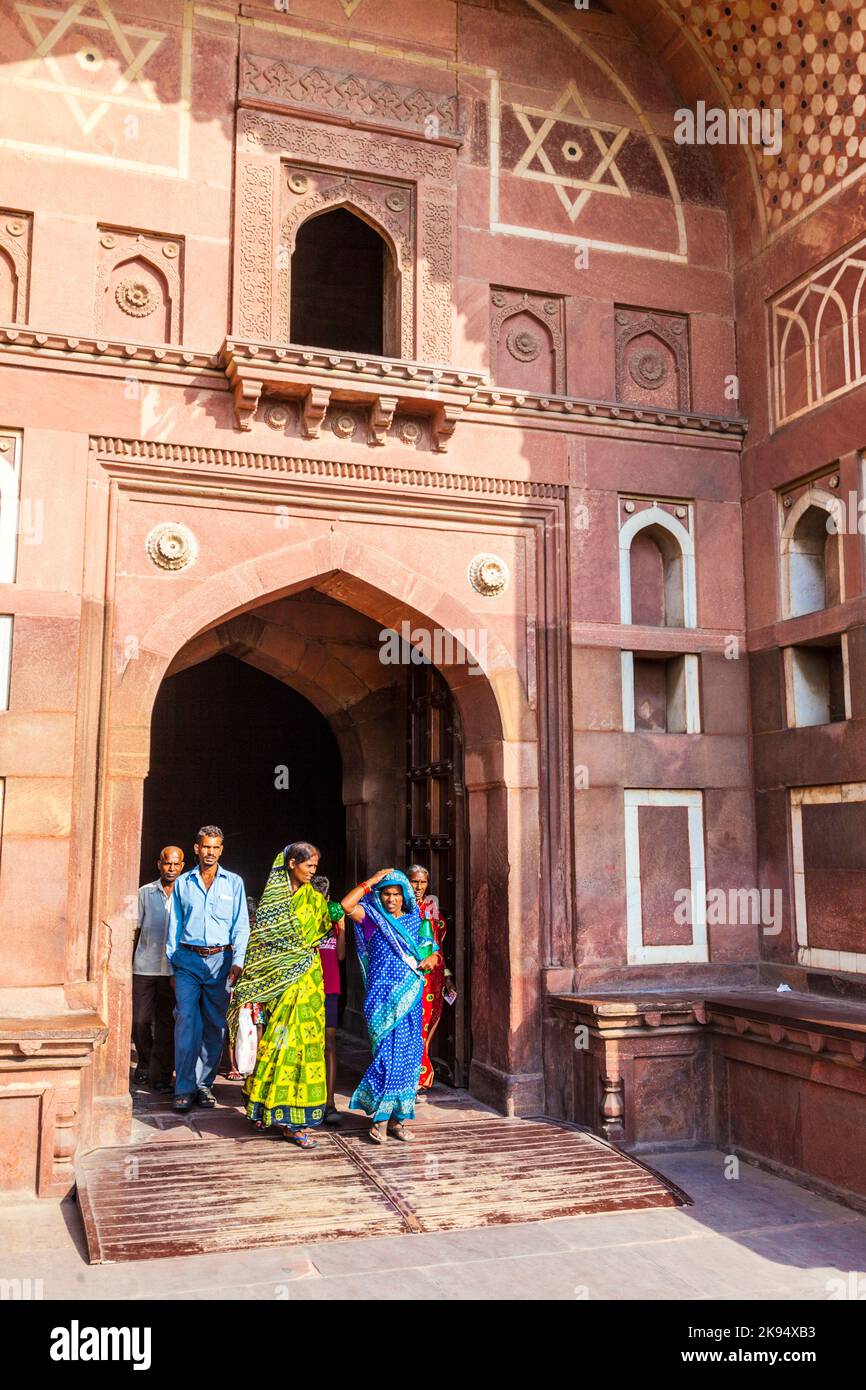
x=813, y=564
x=345, y=287
x=656, y=579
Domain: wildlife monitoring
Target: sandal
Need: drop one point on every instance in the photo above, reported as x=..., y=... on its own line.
x=234, y=1076
x=332, y=1116
x=377, y=1133
x=397, y=1131
x=301, y=1138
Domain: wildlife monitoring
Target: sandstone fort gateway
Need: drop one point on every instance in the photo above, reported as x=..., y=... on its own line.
x=344, y=318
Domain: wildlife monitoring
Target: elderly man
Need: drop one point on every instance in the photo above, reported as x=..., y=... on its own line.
x=152, y=993
x=207, y=940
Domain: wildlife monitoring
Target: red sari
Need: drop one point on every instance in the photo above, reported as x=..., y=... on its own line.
x=433, y=987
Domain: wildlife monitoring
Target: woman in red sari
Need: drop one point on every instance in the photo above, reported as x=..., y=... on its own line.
x=439, y=982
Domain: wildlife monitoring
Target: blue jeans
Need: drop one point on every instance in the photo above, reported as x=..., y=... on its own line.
x=201, y=1000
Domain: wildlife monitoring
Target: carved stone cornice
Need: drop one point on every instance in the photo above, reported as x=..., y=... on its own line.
x=253, y=369
x=70, y=349
x=348, y=98
x=323, y=470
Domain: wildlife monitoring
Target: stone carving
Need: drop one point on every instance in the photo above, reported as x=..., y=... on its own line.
x=277, y=416
x=409, y=431
x=353, y=193
x=652, y=355
x=299, y=140
x=254, y=250
x=522, y=342
x=437, y=274
x=313, y=411
x=15, y=241
x=135, y=298
x=362, y=473
x=648, y=369
x=156, y=285
x=523, y=345
x=381, y=418
x=344, y=426
x=171, y=546
x=488, y=575
x=366, y=100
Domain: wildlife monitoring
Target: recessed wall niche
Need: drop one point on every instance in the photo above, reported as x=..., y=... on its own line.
x=138, y=285
x=527, y=341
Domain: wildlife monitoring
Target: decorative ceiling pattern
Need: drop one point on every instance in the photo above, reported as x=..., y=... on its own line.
x=807, y=57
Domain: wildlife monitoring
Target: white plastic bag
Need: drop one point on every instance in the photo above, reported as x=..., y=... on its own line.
x=246, y=1042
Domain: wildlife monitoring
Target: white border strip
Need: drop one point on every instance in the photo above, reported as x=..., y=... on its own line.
x=697, y=949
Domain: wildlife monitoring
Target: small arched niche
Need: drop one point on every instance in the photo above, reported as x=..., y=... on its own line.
x=811, y=557
x=137, y=302
x=656, y=579
x=345, y=286
x=8, y=289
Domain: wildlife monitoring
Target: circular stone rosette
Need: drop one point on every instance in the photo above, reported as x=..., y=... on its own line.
x=648, y=369
x=136, y=298
x=172, y=546
x=523, y=345
x=488, y=575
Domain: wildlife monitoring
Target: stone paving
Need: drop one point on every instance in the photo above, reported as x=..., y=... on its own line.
x=753, y=1237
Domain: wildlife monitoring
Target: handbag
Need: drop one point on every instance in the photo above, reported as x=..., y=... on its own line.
x=246, y=1042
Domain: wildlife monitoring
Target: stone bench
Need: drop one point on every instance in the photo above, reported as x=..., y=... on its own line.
x=779, y=1079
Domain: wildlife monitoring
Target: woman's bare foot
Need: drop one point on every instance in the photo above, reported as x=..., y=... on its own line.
x=377, y=1133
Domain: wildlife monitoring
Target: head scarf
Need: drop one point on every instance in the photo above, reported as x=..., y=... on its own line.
x=407, y=934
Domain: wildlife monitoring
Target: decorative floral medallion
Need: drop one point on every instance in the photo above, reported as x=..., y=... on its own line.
x=410, y=431
x=298, y=183
x=344, y=426
x=277, y=416
x=15, y=228
x=396, y=201
x=488, y=575
x=136, y=298
x=172, y=546
x=498, y=299
x=648, y=369
x=523, y=345
x=169, y=250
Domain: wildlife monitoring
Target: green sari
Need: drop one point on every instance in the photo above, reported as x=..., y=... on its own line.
x=283, y=973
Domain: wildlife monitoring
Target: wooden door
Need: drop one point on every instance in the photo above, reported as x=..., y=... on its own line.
x=436, y=837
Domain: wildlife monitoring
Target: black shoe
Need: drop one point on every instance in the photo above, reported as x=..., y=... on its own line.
x=162, y=1087
x=140, y=1076
x=183, y=1103
x=206, y=1098
x=332, y=1116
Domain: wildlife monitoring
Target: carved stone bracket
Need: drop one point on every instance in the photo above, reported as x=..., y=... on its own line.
x=445, y=422
x=313, y=411
x=317, y=379
x=381, y=418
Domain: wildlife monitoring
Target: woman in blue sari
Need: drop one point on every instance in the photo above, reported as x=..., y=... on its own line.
x=396, y=949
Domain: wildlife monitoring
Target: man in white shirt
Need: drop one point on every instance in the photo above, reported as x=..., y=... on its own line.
x=152, y=984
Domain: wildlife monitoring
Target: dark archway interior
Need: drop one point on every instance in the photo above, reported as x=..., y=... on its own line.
x=220, y=733
x=338, y=284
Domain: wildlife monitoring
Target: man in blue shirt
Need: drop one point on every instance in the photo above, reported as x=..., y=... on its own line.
x=208, y=930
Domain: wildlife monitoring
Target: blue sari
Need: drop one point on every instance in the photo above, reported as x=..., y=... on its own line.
x=389, y=952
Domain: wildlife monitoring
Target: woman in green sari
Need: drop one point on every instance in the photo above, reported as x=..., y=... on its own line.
x=283, y=974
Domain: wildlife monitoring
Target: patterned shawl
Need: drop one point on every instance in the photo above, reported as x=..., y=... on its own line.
x=282, y=945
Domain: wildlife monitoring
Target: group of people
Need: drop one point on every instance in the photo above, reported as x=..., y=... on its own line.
x=199, y=964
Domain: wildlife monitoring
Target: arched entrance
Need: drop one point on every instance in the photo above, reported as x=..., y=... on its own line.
x=235, y=743
x=306, y=612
